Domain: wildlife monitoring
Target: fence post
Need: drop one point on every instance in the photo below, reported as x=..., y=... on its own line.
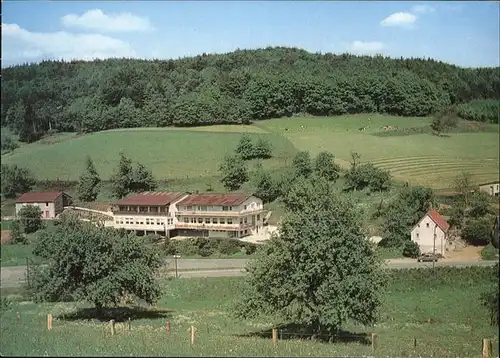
x=112, y=326
x=192, y=334
x=49, y=321
x=275, y=336
x=414, y=342
x=129, y=324
x=28, y=272
x=486, y=348
x=374, y=341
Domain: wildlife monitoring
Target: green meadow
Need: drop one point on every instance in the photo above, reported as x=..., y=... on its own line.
x=444, y=319
x=189, y=157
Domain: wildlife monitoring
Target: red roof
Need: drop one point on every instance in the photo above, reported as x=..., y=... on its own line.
x=438, y=219
x=151, y=198
x=215, y=199
x=39, y=196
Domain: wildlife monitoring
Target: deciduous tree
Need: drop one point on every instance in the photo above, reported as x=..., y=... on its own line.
x=95, y=264
x=142, y=179
x=320, y=271
x=31, y=218
x=234, y=172
x=262, y=149
x=15, y=180
x=302, y=164
x=326, y=167
x=245, y=147
x=265, y=187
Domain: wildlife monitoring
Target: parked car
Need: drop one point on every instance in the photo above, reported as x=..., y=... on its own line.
x=428, y=257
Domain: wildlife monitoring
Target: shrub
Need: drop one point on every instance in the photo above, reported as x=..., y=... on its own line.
x=411, y=249
x=250, y=249
x=228, y=246
x=489, y=252
x=368, y=176
x=477, y=232
x=17, y=236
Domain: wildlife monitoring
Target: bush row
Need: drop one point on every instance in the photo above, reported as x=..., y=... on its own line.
x=205, y=247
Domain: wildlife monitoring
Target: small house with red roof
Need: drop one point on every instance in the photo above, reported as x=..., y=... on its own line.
x=51, y=203
x=431, y=233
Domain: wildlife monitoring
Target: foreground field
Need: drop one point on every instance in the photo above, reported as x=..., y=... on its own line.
x=189, y=158
x=412, y=310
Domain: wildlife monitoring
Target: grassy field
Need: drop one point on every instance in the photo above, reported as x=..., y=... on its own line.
x=422, y=159
x=455, y=330
x=189, y=158
x=169, y=153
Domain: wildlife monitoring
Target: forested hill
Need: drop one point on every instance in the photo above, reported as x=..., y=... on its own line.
x=236, y=87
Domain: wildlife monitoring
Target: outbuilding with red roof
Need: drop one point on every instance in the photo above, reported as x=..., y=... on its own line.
x=431, y=233
x=51, y=203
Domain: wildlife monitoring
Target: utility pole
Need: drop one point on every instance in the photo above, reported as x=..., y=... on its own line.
x=434, y=249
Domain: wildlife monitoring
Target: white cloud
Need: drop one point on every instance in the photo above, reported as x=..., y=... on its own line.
x=401, y=19
x=422, y=9
x=366, y=48
x=19, y=44
x=97, y=20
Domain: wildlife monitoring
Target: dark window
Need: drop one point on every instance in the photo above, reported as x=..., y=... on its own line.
x=427, y=224
x=46, y=204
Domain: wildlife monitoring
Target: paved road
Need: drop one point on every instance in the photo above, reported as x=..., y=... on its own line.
x=15, y=275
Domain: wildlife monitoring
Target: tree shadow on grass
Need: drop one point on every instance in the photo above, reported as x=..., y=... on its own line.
x=293, y=331
x=119, y=314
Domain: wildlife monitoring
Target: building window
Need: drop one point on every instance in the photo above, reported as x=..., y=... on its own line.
x=207, y=220
x=418, y=235
x=241, y=221
x=427, y=225
x=193, y=221
x=203, y=208
x=229, y=221
x=147, y=221
x=200, y=220
x=245, y=220
x=222, y=220
x=117, y=222
x=258, y=217
x=142, y=222
x=227, y=208
x=244, y=207
x=46, y=204
x=215, y=221
x=189, y=208
x=186, y=220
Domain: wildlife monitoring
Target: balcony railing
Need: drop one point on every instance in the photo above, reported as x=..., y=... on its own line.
x=197, y=226
x=218, y=213
x=142, y=213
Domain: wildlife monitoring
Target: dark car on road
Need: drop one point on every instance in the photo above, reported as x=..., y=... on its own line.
x=429, y=257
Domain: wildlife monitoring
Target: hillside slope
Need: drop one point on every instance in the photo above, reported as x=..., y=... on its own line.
x=236, y=87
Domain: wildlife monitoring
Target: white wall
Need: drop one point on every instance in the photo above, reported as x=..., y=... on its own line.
x=423, y=235
x=44, y=207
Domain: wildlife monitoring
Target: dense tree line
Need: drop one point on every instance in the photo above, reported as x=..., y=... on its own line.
x=236, y=87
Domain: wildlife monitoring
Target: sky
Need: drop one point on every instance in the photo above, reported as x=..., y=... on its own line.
x=462, y=33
